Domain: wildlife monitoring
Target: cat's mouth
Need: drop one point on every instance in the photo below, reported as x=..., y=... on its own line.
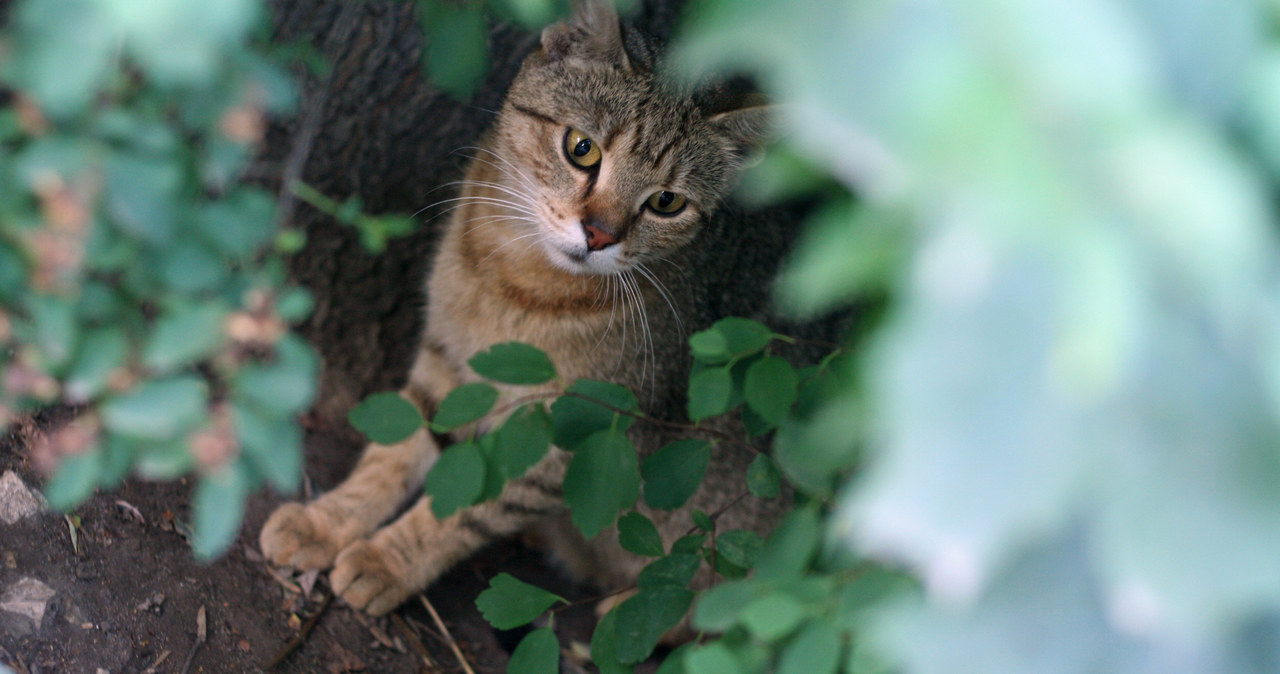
x=581, y=260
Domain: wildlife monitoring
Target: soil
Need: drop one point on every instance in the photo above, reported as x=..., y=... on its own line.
x=129, y=592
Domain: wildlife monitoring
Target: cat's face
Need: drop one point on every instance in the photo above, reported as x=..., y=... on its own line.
x=611, y=170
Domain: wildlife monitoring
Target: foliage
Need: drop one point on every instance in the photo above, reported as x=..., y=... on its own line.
x=1067, y=421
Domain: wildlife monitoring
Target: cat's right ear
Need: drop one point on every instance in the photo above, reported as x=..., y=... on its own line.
x=593, y=33
x=746, y=129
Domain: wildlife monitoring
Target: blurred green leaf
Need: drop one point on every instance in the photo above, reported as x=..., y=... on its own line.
x=240, y=224
x=456, y=480
x=142, y=194
x=272, y=445
x=637, y=533
x=715, y=658
x=762, y=478
x=183, y=335
x=772, y=616
x=510, y=602
x=56, y=328
x=217, y=508
x=463, y=405
x=102, y=352
x=537, y=653
x=160, y=409
x=386, y=418
x=719, y=607
x=284, y=387
x=457, y=49
x=74, y=480
x=672, y=474
x=513, y=363
x=602, y=478
x=815, y=650
x=788, y=550
x=63, y=52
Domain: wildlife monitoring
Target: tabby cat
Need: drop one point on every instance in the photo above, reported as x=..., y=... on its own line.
x=592, y=225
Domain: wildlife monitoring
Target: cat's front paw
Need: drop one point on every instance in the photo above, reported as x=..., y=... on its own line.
x=296, y=535
x=370, y=578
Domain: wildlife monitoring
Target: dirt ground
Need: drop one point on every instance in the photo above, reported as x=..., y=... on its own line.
x=129, y=594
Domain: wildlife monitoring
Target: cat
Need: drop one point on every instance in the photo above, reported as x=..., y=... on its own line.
x=592, y=223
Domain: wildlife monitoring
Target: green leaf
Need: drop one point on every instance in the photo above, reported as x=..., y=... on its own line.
x=463, y=405
x=74, y=480
x=510, y=602
x=386, y=418
x=772, y=616
x=456, y=54
x=690, y=544
x=239, y=225
x=514, y=363
x=284, y=387
x=644, y=618
x=719, y=608
x=676, y=569
x=787, y=552
x=56, y=328
x=604, y=646
x=456, y=480
x=771, y=388
x=603, y=477
x=709, y=393
x=742, y=336
x=62, y=54
x=703, y=521
x=713, y=659
x=636, y=533
x=141, y=196
x=739, y=547
x=273, y=445
x=189, y=266
x=218, y=506
x=494, y=480
x=763, y=480
x=537, y=653
x=672, y=474
x=574, y=419
x=710, y=347
x=522, y=441
x=815, y=650
x=185, y=335
x=101, y=353
x=157, y=410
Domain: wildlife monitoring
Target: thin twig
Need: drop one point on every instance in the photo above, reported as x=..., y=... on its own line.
x=453, y=644
x=296, y=642
x=202, y=635
x=415, y=644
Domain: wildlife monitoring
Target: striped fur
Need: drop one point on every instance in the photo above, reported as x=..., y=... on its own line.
x=514, y=265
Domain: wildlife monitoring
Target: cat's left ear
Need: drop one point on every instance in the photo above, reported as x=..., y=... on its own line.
x=593, y=33
x=745, y=129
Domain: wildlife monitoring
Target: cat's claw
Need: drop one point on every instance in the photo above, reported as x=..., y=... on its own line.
x=298, y=536
x=368, y=578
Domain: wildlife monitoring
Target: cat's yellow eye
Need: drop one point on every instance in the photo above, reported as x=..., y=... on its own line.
x=666, y=203
x=580, y=149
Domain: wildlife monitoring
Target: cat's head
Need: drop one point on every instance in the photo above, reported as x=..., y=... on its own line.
x=619, y=166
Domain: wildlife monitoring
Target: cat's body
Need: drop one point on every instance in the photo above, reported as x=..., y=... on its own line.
x=605, y=254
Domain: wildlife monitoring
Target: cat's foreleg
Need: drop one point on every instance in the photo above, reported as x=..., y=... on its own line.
x=311, y=536
x=404, y=557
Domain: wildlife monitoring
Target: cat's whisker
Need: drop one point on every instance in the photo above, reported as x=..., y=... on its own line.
x=522, y=237
x=521, y=196
x=494, y=201
x=662, y=290
x=486, y=220
x=516, y=172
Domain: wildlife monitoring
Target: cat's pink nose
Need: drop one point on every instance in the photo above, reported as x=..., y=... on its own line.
x=598, y=239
